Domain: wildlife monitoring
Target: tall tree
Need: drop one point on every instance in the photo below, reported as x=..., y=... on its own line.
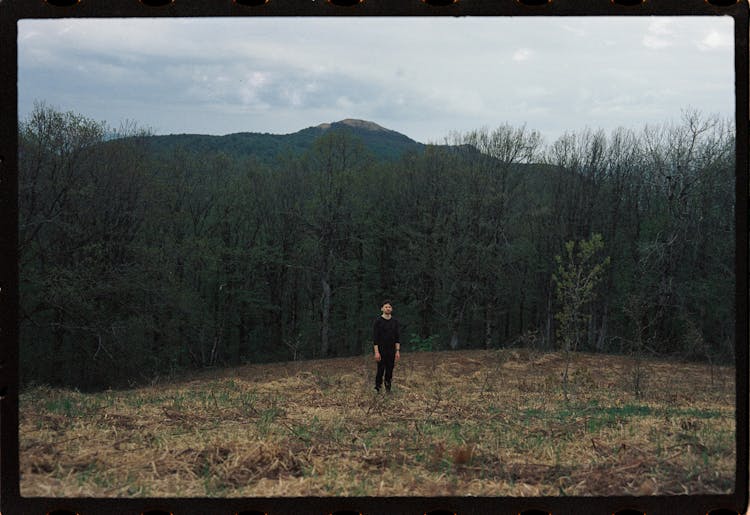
x=330, y=166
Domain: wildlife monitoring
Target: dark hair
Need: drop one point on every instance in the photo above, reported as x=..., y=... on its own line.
x=386, y=301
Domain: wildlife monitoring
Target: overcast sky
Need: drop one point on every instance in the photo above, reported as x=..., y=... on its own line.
x=422, y=77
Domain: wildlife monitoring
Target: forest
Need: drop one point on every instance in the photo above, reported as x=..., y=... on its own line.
x=139, y=263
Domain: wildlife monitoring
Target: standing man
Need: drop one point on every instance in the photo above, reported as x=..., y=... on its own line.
x=386, y=338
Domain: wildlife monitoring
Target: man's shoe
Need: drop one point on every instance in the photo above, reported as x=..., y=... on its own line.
x=377, y=389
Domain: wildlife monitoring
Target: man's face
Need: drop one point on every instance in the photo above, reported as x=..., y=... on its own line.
x=386, y=309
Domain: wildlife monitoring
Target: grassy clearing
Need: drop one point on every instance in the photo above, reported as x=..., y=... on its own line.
x=489, y=423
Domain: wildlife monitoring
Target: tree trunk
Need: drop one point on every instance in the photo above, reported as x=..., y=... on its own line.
x=294, y=315
x=325, y=307
x=454, y=339
x=58, y=366
x=601, y=340
x=242, y=333
x=549, y=328
x=425, y=310
x=487, y=325
x=358, y=346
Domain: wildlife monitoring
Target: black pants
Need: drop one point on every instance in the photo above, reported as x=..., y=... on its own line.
x=385, y=366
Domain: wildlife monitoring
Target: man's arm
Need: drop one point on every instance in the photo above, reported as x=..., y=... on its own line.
x=375, y=340
x=398, y=341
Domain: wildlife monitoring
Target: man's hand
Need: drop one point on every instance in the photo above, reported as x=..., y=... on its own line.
x=377, y=356
x=398, y=355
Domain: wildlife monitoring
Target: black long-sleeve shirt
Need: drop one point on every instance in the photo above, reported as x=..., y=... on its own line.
x=386, y=334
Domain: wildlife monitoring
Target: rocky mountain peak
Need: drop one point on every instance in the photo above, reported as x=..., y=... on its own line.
x=358, y=124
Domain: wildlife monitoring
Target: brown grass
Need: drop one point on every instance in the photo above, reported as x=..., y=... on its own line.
x=490, y=423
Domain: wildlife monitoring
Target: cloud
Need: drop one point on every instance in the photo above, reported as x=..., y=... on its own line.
x=578, y=30
x=279, y=75
x=659, y=34
x=521, y=55
x=715, y=40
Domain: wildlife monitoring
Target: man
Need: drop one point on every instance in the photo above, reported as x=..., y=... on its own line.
x=386, y=338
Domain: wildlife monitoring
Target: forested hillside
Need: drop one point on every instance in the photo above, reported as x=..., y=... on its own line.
x=139, y=261
x=268, y=148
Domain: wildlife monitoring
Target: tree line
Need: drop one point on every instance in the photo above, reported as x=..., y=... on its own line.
x=135, y=266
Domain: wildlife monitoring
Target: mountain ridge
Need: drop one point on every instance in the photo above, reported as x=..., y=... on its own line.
x=385, y=144
x=356, y=123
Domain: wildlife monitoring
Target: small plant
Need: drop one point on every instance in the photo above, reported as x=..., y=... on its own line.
x=248, y=401
x=529, y=341
x=437, y=455
x=582, y=377
x=427, y=344
x=308, y=432
x=295, y=346
x=550, y=383
x=266, y=420
x=638, y=377
x=177, y=401
x=323, y=381
x=63, y=406
x=463, y=454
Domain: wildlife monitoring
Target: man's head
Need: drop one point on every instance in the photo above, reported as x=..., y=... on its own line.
x=386, y=307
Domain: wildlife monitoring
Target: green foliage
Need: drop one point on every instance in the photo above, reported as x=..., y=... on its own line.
x=427, y=344
x=579, y=274
x=577, y=277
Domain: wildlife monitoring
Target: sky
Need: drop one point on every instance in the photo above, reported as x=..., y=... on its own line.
x=423, y=77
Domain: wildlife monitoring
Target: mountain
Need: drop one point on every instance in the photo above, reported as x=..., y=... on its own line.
x=384, y=143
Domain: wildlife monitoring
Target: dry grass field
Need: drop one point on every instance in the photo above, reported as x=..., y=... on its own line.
x=482, y=423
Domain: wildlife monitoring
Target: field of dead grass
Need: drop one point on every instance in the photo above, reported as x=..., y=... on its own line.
x=481, y=423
